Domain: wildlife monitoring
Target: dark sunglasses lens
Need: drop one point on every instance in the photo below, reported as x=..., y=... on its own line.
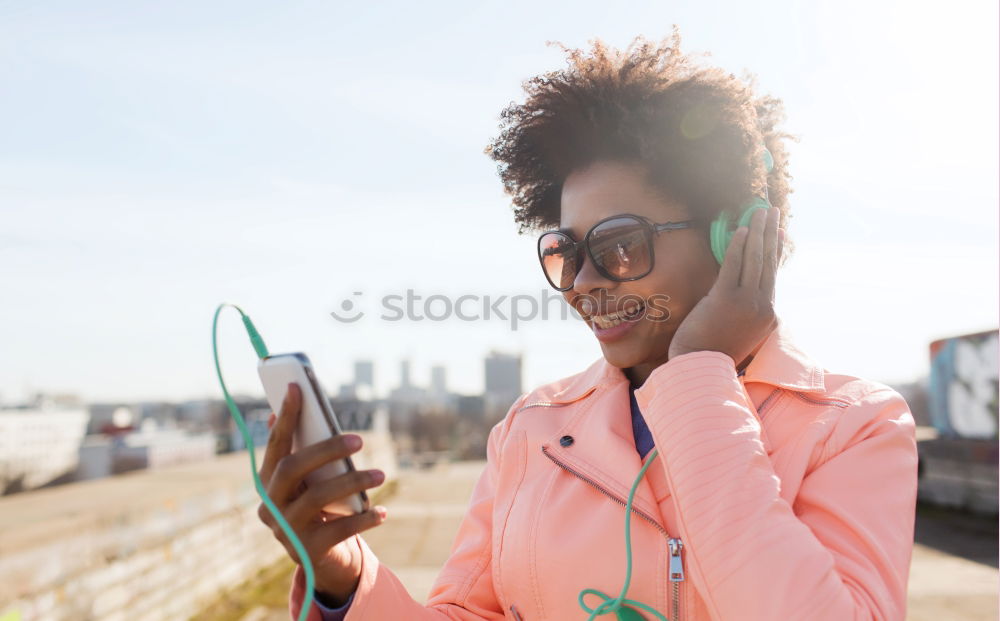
x=621, y=247
x=558, y=256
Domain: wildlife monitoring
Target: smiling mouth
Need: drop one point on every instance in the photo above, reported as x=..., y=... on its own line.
x=630, y=313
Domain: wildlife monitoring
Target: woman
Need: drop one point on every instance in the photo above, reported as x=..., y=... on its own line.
x=777, y=489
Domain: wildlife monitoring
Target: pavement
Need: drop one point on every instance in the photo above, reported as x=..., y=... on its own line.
x=953, y=574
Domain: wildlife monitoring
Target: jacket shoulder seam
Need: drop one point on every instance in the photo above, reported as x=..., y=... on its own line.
x=835, y=445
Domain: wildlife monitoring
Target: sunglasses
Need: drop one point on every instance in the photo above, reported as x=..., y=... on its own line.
x=621, y=248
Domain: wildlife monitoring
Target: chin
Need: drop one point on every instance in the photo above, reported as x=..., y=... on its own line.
x=645, y=347
x=622, y=356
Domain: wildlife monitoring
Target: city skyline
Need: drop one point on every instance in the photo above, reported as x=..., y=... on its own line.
x=157, y=168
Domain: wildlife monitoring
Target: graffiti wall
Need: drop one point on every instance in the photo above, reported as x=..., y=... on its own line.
x=963, y=385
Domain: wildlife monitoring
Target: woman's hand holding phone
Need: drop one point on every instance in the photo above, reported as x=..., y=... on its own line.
x=328, y=539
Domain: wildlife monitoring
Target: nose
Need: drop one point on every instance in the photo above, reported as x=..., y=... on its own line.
x=589, y=283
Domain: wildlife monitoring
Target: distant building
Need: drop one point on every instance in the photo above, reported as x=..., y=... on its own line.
x=163, y=413
x=39, y=446
x=106, y=415
x=154, y=448
x=204, y=414
x=503, y=373
x=347, y=391
x=213, y=415
x=256, y=424
x=964, y=389
x=503, y=383
x=406, y=399
x=470, y=407
x=404, y=374
x=438, y=382
x=364, y=372
x=359, y=414
x=96, y=458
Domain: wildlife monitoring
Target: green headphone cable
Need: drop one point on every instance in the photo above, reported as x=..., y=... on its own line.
x=609, y=605
x=617, y=605
x=261, y=350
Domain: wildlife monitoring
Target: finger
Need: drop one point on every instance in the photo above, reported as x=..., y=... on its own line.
x=308, y=506
x=267, y=517
x=291, y=470
x=279, y=442
x=753, y=254
x=335, y=531
x=270, y=420
x=770, y=266
x=729, y=273
x=307, y=534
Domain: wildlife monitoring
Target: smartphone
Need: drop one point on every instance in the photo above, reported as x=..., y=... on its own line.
x=317, y=421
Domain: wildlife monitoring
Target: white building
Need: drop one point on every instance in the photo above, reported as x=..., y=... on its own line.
x=156, y=448
x=39, y=445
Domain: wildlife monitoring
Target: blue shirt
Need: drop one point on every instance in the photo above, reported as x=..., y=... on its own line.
x=643, y=444
x=643, y=438
x=333, y=614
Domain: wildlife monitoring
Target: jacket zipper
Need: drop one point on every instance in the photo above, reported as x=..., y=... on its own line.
x=808, y=399
x=676, y=573
x=676, y=568
x=556, y=404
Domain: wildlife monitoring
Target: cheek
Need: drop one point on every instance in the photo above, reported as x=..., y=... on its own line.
x=568, y=298
x=684, y=277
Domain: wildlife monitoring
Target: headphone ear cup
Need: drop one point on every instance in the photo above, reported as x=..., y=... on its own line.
x=751, y=207
x=720, y=235
x=768, y=160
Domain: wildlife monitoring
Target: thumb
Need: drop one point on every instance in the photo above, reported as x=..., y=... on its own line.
x=270, y=421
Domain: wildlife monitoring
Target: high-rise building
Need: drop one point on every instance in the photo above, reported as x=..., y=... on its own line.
x=438, y=383
x=364, y=372
x=503, y=383
x=404, y=374
x=405, y=399
x=503, y=373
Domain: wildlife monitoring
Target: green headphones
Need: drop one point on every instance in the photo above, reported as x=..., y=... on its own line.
x=722, y=232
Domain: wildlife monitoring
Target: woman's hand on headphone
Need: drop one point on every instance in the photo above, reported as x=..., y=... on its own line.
x=738, y=312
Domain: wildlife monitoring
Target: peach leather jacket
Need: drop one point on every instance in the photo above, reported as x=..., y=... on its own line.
x=791, y=490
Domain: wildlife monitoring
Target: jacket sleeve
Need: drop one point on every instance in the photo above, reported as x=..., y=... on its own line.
x=841, y=552
x=334, y=614
x=463, y=589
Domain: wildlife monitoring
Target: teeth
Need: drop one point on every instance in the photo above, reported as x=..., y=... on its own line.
x=613, y=319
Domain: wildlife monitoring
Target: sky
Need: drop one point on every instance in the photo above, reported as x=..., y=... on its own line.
x=157, y=159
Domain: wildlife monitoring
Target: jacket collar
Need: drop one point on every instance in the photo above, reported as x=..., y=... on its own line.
x=778, y=362
x=603, y=444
